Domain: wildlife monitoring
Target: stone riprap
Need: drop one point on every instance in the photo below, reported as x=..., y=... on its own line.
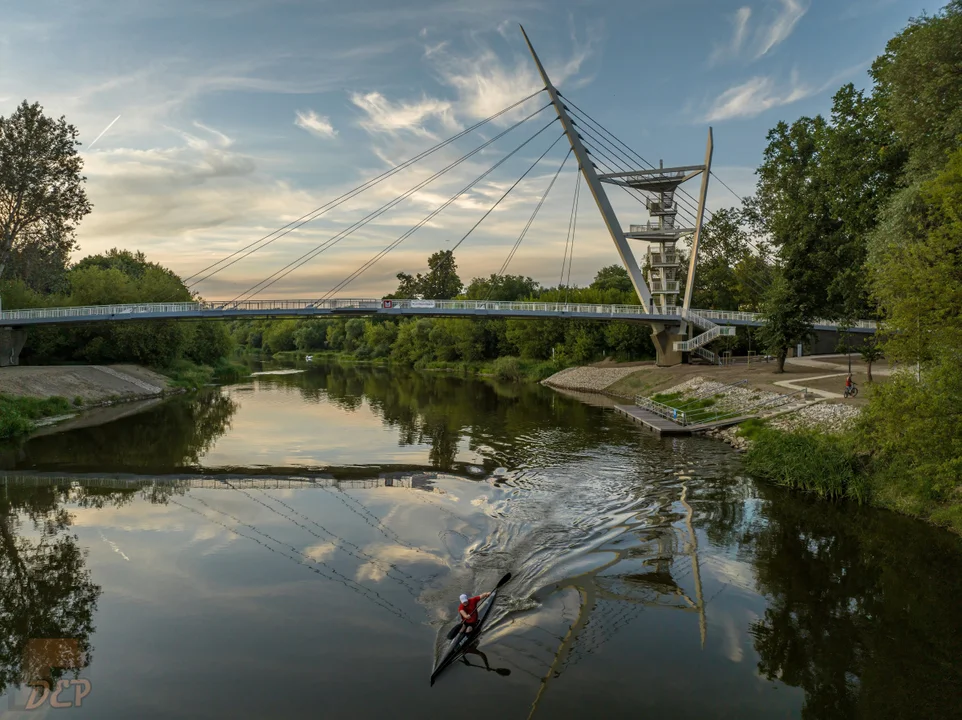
x=587, y=379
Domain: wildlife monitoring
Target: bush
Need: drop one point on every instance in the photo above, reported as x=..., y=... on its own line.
x=823, y=464
x=508, y=369
x=18, y=413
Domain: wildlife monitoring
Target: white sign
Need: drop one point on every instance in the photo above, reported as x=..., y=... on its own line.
x=422, y=303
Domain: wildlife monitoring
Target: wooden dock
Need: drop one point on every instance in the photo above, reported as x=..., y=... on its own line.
x=656, y=423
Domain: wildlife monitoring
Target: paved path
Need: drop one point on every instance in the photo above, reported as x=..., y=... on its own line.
x=814, y=362
x=799, y=384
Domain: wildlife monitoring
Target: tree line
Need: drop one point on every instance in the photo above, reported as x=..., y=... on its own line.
x=422, y=341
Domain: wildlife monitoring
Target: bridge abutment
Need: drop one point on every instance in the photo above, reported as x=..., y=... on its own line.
x=11, y=343
x=664, y=337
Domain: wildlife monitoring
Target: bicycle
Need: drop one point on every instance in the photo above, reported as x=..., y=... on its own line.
x=851, y=391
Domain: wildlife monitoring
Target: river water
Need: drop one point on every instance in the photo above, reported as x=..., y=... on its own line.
x=294, y=546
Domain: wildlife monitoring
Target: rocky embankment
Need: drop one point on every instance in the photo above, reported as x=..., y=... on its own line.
x=587, y=379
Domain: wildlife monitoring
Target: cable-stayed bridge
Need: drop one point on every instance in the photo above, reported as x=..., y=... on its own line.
x=603, y=161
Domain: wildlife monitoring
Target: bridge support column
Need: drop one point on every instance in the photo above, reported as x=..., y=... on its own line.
x=11, y=343
x=664, y=338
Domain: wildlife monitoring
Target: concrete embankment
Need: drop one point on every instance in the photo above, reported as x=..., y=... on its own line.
x=91, y=384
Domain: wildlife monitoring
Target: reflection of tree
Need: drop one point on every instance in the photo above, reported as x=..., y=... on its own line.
x=46, y=592
x=863, y=610
x=442, y=409
x=173, y=434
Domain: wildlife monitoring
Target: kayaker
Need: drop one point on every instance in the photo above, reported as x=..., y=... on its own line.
x=468, y=610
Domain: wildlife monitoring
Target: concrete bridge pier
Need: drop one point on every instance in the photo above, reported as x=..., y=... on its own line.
x=11, y=343
x=664, y=337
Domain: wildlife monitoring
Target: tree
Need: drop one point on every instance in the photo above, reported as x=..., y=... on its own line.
x=502, y=287
x=613, y=277
x=442, y=281
x=871, y=352
x=920, y=88
x=42, y=198
x=786, y=324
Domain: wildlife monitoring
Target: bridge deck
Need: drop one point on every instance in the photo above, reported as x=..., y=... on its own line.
x=205, y=310
x=656, y=423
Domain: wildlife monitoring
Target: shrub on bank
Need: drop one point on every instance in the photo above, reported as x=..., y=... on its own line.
x=18, y=413
x=814, y=462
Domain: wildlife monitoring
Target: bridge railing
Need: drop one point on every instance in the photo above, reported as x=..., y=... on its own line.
x=95, y=312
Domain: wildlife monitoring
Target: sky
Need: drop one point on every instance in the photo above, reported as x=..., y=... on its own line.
x=208, y=124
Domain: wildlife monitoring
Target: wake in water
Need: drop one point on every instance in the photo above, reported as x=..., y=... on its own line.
x=589, y=547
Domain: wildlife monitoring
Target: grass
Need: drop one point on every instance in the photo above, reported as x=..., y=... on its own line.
x=17, y=414
x=823, y=464
x=696, y=410
x=631, y=385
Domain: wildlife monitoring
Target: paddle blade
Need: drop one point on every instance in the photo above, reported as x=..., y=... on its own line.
x=503, y=581
x=503, y=671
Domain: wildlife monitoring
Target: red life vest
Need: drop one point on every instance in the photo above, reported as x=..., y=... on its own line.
x=471, y=608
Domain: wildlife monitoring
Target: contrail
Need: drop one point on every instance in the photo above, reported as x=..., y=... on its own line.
x=103, y=131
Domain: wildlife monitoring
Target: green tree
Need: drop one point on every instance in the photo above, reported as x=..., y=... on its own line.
x=279, y=336
x=442, y=281
x=919, y=86
x=786, y=323
x=502, y=287
x=41, y=189
x=312, y=335
x=614, y=277
x=208, y=342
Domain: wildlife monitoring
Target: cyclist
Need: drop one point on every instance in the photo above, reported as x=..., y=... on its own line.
x=848, y=385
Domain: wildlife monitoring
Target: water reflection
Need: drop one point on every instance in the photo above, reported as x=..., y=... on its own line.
x=649, y=578
x=46, y=590
x=862, y=609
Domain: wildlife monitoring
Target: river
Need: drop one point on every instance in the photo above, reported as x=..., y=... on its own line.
x=294, y=546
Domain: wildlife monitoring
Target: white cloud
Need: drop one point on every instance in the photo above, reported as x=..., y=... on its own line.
x=733, y=48
x=222, y=140
x=780, y=24
x=781, y=27
x=315, y=124
x=755, y=96
x=430, y=50
x=385, y=116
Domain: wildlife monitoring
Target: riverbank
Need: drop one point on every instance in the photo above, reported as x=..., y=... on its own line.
x=806, y=435
x=35, y=396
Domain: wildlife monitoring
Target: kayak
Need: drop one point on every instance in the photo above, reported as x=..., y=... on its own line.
x=463, y=641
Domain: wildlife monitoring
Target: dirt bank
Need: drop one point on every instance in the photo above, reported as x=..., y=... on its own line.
x=92, y=384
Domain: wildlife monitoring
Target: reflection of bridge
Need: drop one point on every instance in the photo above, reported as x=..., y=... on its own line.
x=414, y=481
x=603, y=161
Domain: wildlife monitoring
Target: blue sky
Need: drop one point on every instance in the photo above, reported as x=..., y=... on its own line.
x=226, y=119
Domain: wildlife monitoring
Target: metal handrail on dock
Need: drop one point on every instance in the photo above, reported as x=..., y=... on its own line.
x=665, y=411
